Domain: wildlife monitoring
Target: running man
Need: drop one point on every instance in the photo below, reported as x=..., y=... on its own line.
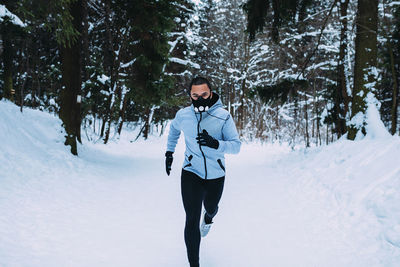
x=210, y=132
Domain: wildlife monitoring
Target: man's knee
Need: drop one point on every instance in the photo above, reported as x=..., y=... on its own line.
x=192, y=219
x=211, y=211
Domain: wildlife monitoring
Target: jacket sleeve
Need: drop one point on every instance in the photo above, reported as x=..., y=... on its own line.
x=230, y=143
x=174, y=133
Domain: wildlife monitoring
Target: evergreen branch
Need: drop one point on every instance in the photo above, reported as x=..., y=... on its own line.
x=318, y=42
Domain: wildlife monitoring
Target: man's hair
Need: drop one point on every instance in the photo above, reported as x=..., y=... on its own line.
x=198, y=81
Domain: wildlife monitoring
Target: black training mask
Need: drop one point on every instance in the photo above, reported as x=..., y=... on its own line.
x=201, y=104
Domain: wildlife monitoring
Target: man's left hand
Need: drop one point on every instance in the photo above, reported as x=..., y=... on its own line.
x=205, y=139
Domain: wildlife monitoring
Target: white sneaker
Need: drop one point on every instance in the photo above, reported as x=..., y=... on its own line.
x=204, y=227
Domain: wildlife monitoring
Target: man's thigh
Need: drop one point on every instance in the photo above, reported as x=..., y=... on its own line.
x=192, y=190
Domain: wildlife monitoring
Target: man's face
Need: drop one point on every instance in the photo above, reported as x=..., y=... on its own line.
x=200, y=90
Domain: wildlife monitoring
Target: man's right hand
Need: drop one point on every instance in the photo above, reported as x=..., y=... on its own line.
x=168, y=161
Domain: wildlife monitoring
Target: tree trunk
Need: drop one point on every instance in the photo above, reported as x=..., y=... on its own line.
x=307, y=136
x=327, y=126
x=365, y=60
x=85, y=40
x=108, y=54
x=313, y=134
x=108, y=117
x=122, y=113
x=342, y=102
x=112, y=66
x=395, y=91
x=71, y=77
x=22, y=87
x=8, y=64
x=146, y=124
x=103, y=125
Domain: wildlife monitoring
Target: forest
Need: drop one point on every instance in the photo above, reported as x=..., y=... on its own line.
x=297, y=71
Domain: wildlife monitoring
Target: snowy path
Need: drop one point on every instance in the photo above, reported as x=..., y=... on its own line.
x=278, y=220
x=115, y=206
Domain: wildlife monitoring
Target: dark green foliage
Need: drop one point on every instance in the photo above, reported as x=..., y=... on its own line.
x=150, y=22
x=257, y=11
x=284, y=14
x=280, y=92
x=55, y=16
x=303, y=9
x=12, y=36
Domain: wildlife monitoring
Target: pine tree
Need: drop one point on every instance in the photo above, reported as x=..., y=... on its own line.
x=71, y=62
x=151, y=23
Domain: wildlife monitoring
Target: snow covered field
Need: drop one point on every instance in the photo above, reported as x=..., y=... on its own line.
x=336, y=205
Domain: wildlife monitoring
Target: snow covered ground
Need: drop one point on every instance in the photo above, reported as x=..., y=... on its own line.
x=336, y=205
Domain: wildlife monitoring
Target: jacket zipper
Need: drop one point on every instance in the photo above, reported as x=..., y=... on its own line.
x=204, y=157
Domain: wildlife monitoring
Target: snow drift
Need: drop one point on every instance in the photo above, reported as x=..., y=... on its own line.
x=113, y=205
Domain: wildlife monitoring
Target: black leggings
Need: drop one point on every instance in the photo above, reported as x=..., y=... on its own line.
x=194, y=191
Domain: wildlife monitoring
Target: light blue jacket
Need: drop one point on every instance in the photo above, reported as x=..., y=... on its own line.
x=206, y=162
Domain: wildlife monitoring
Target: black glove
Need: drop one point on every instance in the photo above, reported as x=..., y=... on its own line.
x=205, y=139
x=168, y=161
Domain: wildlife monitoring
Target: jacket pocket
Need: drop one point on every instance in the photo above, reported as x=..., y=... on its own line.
x=189, y=164
x=220, y=164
